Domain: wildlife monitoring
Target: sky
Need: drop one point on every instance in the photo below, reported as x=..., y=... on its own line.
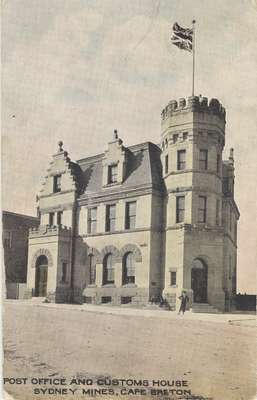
x=75, y=70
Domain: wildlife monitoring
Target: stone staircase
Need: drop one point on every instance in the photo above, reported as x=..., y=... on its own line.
x=204, y=308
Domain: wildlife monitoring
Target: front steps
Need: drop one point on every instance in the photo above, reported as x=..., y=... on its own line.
x=38, y=299
x=204, y=308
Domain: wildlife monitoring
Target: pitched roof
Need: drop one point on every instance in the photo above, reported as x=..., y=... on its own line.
x=143, y=169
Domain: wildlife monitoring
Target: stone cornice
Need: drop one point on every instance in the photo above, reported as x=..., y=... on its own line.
x=196, y=189
x=105, y=196
x=43, y=196
x=198, y=171
x=118, y=232
x=59, y=207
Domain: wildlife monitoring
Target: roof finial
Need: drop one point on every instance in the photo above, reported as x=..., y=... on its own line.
x=60, y=144
x=115, y=134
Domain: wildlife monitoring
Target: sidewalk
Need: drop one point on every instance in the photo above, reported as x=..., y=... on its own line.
x=235, y=319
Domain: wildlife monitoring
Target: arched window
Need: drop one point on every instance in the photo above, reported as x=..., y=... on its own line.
x=108, y=269
x=128, y=275
x=92, y=269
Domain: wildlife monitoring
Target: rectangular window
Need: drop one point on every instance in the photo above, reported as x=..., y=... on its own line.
x=185, y=135
x=126, y=299
x=166, y=164
x=173, y=278
x=64, y=272
x=230, y=218
x=203, y=159
x=57, y=183
x=180, y=209
x=130, y=218
x=7, y=239
x=225, y=185
x=175, y=138
x=112, y=173
x=92, y=269
x=218, y=164
x=110, y=217
x=106, y=299
x=217, y=212
x=59, y=217
x=51, y=218
x=87, y=300
x=202, y=201
x=181, y=160
x=92, y=220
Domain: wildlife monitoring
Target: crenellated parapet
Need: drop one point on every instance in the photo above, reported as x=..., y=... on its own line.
x=194, y=103
x=49, y=230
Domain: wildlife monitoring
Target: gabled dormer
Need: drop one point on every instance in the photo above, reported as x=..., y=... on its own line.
x=114, y=162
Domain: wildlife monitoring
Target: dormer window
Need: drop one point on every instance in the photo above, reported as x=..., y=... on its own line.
x=112, y=173
x=57, y=183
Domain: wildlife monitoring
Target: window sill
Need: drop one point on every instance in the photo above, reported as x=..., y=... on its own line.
x=108, y=185
x=109, y=285
x=91, y=285
x=173, y=286
x=129, y=285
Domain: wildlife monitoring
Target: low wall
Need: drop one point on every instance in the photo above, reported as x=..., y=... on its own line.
x=15, y=290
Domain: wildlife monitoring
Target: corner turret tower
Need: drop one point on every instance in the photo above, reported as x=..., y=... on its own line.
x=192, y=142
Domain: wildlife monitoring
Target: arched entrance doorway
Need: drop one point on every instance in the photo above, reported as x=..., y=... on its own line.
x=199, y=278
x=41, y=276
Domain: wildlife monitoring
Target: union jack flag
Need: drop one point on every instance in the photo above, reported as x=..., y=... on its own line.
x=182, y=37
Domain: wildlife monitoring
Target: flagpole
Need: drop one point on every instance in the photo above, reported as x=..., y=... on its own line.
x=193, y=48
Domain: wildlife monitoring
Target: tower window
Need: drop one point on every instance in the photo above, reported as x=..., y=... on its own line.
x=218, y=164
x=181, y=160
x=166, y=164
x=110, y=218
x=7, y=239
x=173, y=278
x=180, y=209
x=112, y=173
x=64, y=272
x=57, y=183
x=59, y=217
x=92, y=220
x=175, y=138
x=130, y=218
x=185, y=135
x=202, y=202
x=51, y=218
x=203, y=159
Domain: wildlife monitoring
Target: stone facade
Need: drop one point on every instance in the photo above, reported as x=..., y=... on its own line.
x=144, y=222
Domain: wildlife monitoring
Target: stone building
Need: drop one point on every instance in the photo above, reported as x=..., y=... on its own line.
x=140, y=222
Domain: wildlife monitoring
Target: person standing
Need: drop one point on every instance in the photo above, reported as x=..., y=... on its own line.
x=184, y=300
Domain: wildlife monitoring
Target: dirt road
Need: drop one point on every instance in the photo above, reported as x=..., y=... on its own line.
x=216, y=359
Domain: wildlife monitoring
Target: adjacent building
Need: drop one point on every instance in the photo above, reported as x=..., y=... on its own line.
x=15, y=245
x=142, y=222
